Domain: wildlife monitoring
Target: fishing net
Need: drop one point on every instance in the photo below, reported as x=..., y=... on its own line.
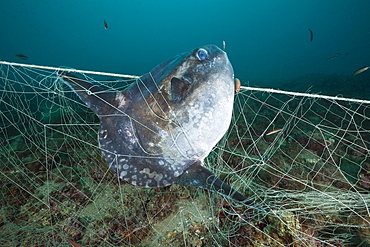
x=304, y=158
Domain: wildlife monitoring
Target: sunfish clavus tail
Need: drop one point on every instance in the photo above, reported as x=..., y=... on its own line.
x=158, y=131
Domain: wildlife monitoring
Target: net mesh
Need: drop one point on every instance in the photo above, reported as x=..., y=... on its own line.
x=302, y=157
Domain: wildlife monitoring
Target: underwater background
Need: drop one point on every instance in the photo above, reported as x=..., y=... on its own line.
x=268, y=42
x=304, y=157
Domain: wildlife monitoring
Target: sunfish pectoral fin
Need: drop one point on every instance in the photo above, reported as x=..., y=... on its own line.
x=95, y=97
x=198, y=176
x=179, y=89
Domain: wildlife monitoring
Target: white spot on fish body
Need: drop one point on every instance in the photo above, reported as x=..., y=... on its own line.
x=145, y=171
x=158, y=177
x=121, y=100
x=148, y=182
x=104, y=134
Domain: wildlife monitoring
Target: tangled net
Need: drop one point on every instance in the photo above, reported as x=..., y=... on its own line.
x=312, y=173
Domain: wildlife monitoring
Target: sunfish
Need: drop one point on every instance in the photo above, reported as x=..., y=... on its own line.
x=158, y=131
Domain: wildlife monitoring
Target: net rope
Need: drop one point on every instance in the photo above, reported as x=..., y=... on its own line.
x=305, y=157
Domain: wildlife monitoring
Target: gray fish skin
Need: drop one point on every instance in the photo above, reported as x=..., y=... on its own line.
x=158, y=131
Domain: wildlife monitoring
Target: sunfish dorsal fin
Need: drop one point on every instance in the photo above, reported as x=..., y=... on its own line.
x=95, y=97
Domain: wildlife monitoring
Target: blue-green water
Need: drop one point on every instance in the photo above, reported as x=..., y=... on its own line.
x=267, y=41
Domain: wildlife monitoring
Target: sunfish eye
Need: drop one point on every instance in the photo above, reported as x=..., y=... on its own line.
x=202, y=54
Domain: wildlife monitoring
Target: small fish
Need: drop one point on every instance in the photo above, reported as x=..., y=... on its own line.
x=20, y=56
x=105, y=24
x=273, y=132
x=363, y=69
x=73, y=243
x=330, y=58
x=224, y=45
x=237, y=85
x=311, y=34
